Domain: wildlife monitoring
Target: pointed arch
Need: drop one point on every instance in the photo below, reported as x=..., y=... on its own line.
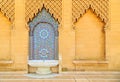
x=5, y=38
x=7, y=7
x=93, y=11
x=43, y=16
x=100, y=8
x=90, y=37
x=43, y=36
x=53, y=6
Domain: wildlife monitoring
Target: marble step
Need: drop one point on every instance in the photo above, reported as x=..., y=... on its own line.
x=64, y=77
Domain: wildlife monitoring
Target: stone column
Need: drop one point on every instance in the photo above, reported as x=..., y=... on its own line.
x=67, y=36
x=19, y=38
x=113, y=36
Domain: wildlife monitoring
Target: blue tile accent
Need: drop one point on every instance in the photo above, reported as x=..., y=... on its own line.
x=43, y=30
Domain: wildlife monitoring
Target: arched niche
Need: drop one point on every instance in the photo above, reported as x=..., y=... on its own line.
x=43, y=37
x=90, y=37
x=4, y=38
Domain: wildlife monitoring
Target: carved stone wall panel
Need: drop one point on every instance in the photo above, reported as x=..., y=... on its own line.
x=55, y=8
x=7, y=7
x=34, y=6
x=99, y=7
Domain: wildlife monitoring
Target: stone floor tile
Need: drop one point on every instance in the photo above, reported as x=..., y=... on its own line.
x=80, y=77
x=112, y=76
x=60, y=80
x=19, y=80
x=104, y=80
x=65, y=77
x=81, y=80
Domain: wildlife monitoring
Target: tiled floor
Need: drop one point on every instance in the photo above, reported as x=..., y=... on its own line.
x=65, y=77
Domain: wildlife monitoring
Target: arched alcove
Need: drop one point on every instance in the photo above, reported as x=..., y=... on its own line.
x=90, y=37
x=43, y=37
x=4, y=38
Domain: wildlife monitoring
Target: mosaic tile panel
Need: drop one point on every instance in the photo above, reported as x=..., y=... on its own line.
x=44, y=42
x=43, y=30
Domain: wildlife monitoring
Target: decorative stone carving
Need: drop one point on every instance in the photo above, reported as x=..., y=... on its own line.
x=7, y=7
x=99, y=7
x=34, y=6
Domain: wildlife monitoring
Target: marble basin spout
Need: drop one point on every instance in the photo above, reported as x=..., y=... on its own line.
x=43, y=66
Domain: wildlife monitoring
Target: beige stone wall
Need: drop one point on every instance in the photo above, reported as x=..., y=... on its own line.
x=113, y=36
x=112, y=45
x=16, y=40
x=67, y=36
x=20, y=37
x=5, y=33
x=17, y=33
x=90, y=42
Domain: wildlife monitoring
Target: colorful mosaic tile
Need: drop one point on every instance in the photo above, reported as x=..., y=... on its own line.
x=43, y=30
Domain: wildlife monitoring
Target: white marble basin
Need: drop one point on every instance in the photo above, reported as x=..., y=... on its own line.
x=43, y=66
x=43, y=63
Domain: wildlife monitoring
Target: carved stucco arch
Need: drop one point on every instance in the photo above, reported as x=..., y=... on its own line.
x=5, y=36
x=7, y=7
x=93, y=11
x=54, y=7
x=102, y=19
x=99, y=7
